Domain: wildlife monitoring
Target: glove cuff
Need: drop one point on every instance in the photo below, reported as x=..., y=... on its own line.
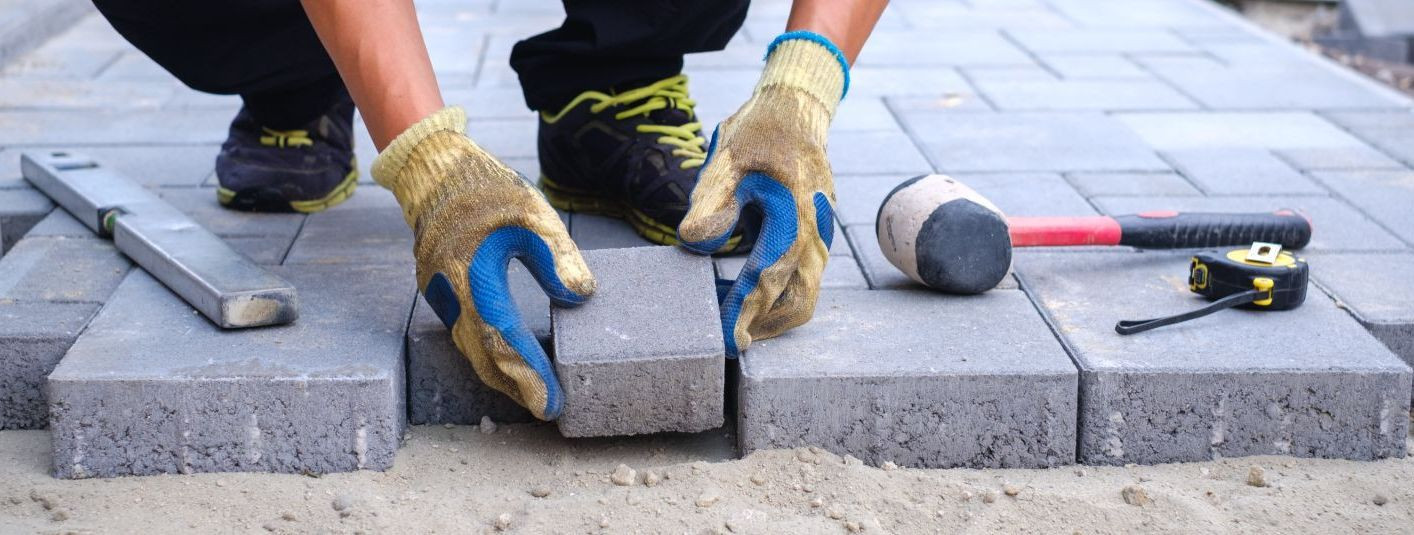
x=808, y=62
x=413, y=189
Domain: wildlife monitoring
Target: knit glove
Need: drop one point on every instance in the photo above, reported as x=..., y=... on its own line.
x=771, y=154
x=470, y=215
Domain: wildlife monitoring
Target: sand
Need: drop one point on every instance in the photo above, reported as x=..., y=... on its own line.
x=525, y=478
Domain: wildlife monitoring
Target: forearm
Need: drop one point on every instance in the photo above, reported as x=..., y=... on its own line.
x=846, y=23
x=378, y=49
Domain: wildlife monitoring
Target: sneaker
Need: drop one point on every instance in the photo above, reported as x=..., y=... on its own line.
x=631, y=154
x=307, y=170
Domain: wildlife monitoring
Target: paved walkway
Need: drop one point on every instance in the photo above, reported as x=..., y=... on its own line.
x=1048, y=107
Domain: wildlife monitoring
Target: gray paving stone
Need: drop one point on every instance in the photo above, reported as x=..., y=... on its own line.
x=366, y=231
x=600, y=232
x=166, y=391
x=60, y=60
x=645, y=353
x=506, y=138
x=1099, y=40
x=1094, y=66
x=59, y=224
x=1240, y=171
x=1267, y=130
x=887, y=151
x=442, y=387
x=857, y=197
x=1338, y=158
x=949, y=395
x=1260, y=87
x=915, y=48
x=1031, y=95
x=961, y=142
x=840, y=271
x=1145, y=184
x=953, y=16
x=62, y=270
x=201, y=205
x=1336, y=226
x=860, y=112
x=1148, y=14
x=1375, y=289
x=20, y=210
x=1217, y=386
x=263, y=250
x=114, y=127
x=1391, y=131
x=82, y=94
x=33, y=337
x=1386, y=196
x=134, y=66
x=1028, y=194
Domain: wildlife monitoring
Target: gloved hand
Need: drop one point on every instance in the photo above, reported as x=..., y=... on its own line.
x=771, y=154
x=471, y=214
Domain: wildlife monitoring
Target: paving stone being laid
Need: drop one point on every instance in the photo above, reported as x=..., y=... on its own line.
x=20, y=210
x=1145, y=184
x=1028, y=95
x=152, y=387
x=1308, y=382
x=1375, y=289
x=442, y=387
x=645, y=354
x=33, y=337
x=1335, y=225
x=996, y=142
x=61, y=270
x=600, y=232
x=1240, y=172
x=1387, y=196
x=943, y=396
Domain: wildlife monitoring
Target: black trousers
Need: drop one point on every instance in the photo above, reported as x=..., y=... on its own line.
x=267, y=52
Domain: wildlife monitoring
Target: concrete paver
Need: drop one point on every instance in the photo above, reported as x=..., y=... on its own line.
x=1387, y=196
x=1372, y=287
x=151, y=387
x=20, y=210
x=1229, y=130
x=645, y=354
x=1240, y=172
x=33, y=337
x=1030, y=141
x=942, y=396
x=1142, y=184
x=1308, y=382
x=1046, y=95
x=61, y=270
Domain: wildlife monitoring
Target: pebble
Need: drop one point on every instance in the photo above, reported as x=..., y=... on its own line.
x=989, y=496
x=1080, y=473
x=1135, y=495
x=540, y=492
x=650, y=478
x=343, y=503
x=1011, y=490
x=889, y=466
x=603, y=521
x=487, y=426
x=59, y=516
x=967, y=495
x=804, y=456
x=850, y=460
x=270, y=526
x=623, y=476
x=503, y=522
x=1380, y=499
x=707, y=499
x=45, y=500
x=834, y=514
x=1256, y=476
x=758, y=479
x=818, y=503
x=853, y=526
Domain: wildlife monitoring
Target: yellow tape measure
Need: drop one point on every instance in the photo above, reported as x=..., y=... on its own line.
x=1262, y=277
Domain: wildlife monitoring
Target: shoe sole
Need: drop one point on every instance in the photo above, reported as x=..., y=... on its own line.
x=586, y=202
x=339, y=194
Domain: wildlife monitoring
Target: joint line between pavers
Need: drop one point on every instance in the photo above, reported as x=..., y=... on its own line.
x=1025, y=286
x=1341, y=199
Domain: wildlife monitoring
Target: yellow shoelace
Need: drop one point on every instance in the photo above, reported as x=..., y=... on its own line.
x=669, y=92
x=285, y=138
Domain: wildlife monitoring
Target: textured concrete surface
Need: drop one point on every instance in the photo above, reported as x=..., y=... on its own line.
x=1309, y=382
x=61, y=270
x=165, y=391
x=1373, y=288
x=645, y=354
x=20, y=210
x=33, y=337
x=863, y=379
x=442, y=387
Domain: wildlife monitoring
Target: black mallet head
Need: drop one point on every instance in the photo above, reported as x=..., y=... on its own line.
x=944, y=235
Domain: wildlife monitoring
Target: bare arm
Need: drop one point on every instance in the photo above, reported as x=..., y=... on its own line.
x=378, y=49
x=847, y=23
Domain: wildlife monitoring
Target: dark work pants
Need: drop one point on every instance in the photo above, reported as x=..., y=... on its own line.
x=267, y=52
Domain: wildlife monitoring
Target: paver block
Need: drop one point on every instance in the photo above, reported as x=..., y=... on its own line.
x=985, y=384
x=1266, y=130
x=996, y=142
x=1029, y=194
x=1390, y=131
x=1145, y=184
x=1336, y=226
x=1100, y=40
x=20, y=210
x=111, y=126
x=1375, y=288
x=914, y=48
x=62, y=270
x=200, y=204
x=152, y=387
x=599, y=232
x=645, y=354
x=367, y=229
x=1042, y=95
x=1095, y=66
x=1338, y=158
x=1308, y=382
x=59, y=224
x=33, y=337
x=1387, y=196
x=1240, y=171
x=840, y=271
x=1257, y=87
x=442, y=387
x=884, y=151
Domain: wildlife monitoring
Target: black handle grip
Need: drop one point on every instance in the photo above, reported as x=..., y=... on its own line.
x=1174, y=230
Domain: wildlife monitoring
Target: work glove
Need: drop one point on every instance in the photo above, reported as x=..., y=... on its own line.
x=470, y=215
x=771, y=154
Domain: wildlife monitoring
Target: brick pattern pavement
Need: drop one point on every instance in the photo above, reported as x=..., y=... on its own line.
x=1047, y=106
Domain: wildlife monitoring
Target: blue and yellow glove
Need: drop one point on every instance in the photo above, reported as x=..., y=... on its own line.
x=471, y=214
x=771, y=154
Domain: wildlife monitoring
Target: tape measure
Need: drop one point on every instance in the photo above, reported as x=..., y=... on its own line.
x=1262, y=277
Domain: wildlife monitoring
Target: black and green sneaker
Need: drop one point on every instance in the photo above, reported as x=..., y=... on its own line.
x=630, y=154
x=309, y=169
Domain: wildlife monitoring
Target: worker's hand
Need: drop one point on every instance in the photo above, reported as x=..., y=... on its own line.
x=471, y=214
x=771, y=154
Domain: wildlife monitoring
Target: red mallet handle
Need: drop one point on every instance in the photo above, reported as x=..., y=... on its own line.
x=1163, y=230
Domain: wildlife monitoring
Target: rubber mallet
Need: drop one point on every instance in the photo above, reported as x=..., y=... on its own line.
x=948, y=237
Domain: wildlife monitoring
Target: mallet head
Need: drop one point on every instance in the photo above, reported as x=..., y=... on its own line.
x=944, y=235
